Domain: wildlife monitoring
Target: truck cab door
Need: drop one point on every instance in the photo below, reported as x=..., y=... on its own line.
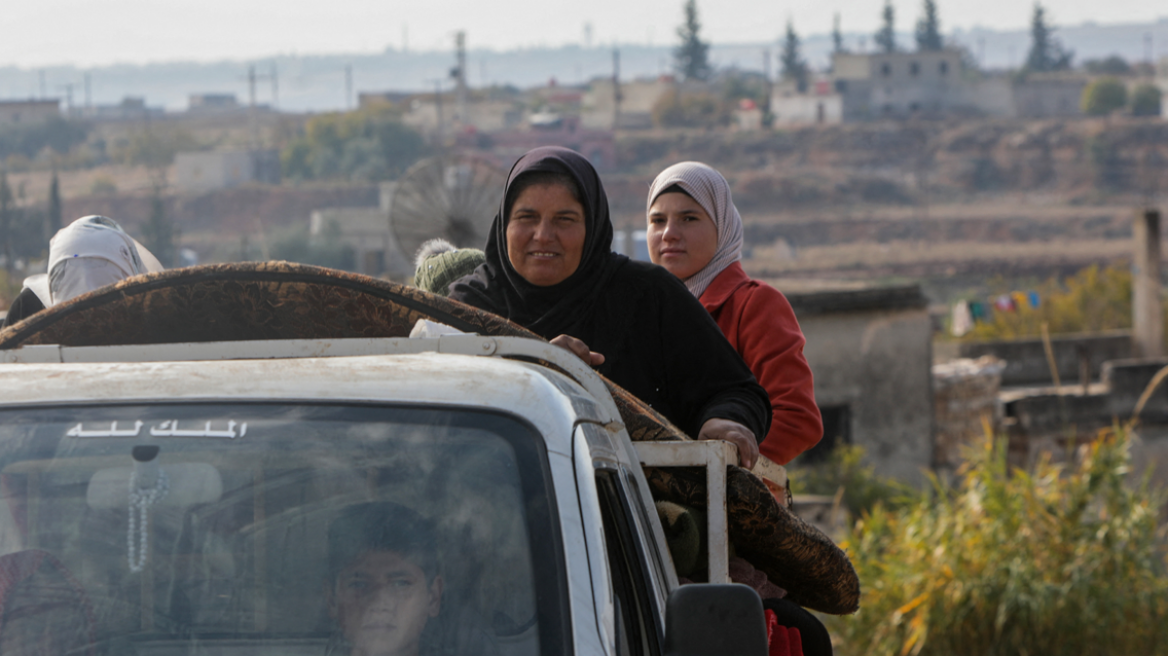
x=633, y=569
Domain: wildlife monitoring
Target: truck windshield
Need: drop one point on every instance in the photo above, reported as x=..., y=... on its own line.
x=276, y=529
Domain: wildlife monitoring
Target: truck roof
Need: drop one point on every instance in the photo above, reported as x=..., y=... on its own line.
x=548, y=389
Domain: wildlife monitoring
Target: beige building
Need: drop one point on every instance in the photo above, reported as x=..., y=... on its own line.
x=898, y=83
x=637, y=99
x=28, y=112
x=1049, y=94
x=426, y=115
x=222, y=169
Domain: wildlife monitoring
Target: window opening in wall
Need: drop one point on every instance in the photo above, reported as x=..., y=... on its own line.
x=886, y=70
x=943, y=67
x=837, y=430
x=914, y=69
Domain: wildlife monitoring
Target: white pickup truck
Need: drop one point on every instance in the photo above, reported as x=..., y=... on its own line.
x=184, y=499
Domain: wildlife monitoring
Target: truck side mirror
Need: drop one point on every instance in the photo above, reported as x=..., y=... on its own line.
x=715, y=620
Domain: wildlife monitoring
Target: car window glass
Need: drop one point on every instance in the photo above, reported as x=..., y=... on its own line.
x=318, y=529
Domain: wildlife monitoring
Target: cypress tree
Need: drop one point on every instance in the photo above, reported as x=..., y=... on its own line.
x=1046, y=53
x=53, y=215
x=886, y=35
x=837, y=37
x=159, y=233
x=929, y=29
x=794, y=66
x=692, y=56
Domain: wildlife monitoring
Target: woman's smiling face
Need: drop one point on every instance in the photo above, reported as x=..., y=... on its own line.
x=545, y=234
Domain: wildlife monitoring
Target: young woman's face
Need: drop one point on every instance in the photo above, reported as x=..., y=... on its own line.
x=382, y=602
x=545, y=234
x=681, y=236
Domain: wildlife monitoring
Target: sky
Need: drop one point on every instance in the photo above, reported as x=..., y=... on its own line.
x=36, y=33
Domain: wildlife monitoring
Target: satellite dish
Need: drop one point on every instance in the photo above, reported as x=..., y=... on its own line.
x=453, y=197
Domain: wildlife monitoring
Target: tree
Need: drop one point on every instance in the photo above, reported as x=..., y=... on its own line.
x=1046, y=53
x=837, y=37
x=160, y=233
x=1145, y=100
x=886, y=35
x=369, y=144
x=929, y=29
x=1104, y=96
x=1113, y=65
x=794, y=66
x=53, y=213
x=692, y=56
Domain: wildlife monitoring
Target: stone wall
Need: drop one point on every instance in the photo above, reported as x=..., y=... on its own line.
x=1075, y=355
x=965, y=405
x=871, y=354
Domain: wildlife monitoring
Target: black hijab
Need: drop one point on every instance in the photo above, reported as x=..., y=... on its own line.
x=497, y=287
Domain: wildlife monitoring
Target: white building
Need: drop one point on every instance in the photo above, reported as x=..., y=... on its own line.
x=221, y=169
x=822, y=105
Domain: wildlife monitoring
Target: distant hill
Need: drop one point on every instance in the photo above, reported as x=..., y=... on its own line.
x=317, y=83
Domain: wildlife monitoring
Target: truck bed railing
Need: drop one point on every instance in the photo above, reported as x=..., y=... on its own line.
x=715, y=456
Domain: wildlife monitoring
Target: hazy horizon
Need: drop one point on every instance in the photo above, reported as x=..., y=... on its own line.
x=140, y=32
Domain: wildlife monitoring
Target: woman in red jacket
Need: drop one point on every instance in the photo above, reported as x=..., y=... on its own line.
x=695, y=233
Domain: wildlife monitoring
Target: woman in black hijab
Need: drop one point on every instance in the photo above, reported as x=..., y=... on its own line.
x=550, y=268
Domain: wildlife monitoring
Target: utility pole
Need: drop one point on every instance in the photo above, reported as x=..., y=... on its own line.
x=252, y=107
x=1148, y=53
x=440, y=137
x=460, y=75
x=253, y=120
x=769, y=88
x=617, y=96
x=349, y=87
x=88, y=97
x=68, y=98
x=275, y=86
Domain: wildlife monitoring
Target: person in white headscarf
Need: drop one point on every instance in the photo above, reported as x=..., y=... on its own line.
x=92, y=252
x=695, y=233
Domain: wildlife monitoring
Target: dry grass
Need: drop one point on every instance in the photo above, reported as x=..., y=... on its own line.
x=860, y=255
x=1057, y=560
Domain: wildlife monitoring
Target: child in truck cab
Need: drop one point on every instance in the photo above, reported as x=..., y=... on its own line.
x=550, y=268
x=384, y=587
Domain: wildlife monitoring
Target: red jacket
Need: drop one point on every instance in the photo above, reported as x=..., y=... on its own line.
x=760, y=324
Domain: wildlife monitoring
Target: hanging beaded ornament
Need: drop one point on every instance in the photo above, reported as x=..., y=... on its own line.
x=141, y=500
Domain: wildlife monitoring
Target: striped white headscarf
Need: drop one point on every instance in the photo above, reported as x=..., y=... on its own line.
x=712, y=192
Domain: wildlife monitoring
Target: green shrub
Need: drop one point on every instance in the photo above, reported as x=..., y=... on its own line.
x=366, y=145
x=1104, y=96
x=844, y=472
x=327, y=249
x=1145, y=100
x=1093, y=299
x=694, y=109
x=1060, y=560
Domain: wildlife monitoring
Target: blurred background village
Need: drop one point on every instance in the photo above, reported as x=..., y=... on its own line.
x=967, y=223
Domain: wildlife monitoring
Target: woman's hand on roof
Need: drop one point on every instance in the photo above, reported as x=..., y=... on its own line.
x=734, y=433
x=581, y=350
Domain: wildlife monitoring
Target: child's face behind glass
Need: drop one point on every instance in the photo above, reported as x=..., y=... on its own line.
x=381, y=602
